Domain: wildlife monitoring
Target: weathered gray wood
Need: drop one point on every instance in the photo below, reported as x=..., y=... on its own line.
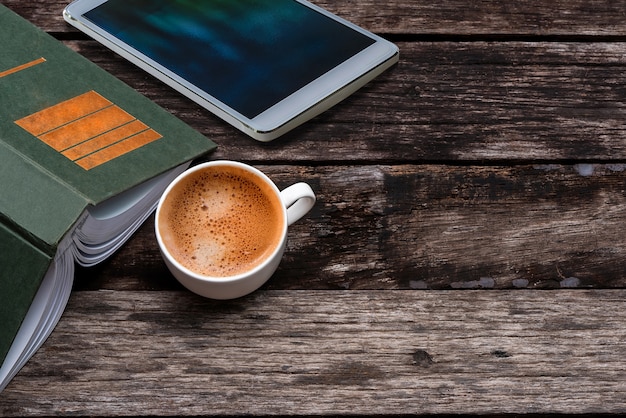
x=453, y=101
x=493, y=17
x=432, y=226
x=468, y=101
x=491, y=157
x=329, y=352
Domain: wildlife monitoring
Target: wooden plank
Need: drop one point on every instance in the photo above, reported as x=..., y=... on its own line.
x=330, y=352
x=431, y=226
x=492, y=17
x=467, y=101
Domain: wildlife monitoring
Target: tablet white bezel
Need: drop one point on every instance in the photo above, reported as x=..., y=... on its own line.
x=312, y=99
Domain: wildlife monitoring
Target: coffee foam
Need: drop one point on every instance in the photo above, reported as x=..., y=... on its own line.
x=221, y=221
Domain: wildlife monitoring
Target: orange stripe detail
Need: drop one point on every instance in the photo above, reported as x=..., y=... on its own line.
x=63, y=113
x=89, y=129
x=22, y=67
x=118, y=149
x=86, y=128
x=105, y=140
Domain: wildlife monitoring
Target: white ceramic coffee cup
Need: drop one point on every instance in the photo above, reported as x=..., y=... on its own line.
x=297, y=199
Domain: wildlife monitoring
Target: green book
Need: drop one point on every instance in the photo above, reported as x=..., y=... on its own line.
x=84, y=159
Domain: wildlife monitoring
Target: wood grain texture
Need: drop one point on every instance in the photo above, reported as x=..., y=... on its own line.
x=453, y=101
x=431, y=226
x=456, y=17
x=465, y=255
x=328, y=352
x=467, y=101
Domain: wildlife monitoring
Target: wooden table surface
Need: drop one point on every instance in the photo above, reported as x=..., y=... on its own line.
x=466, y=254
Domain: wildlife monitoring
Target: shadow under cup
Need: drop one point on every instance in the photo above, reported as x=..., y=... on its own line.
x=222, y=227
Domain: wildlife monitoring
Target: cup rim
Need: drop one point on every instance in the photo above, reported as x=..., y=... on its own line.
x=220, y=279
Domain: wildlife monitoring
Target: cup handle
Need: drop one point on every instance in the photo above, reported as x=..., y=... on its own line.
x=298, y=199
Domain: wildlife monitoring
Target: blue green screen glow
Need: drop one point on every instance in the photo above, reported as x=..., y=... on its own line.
x=249, y=54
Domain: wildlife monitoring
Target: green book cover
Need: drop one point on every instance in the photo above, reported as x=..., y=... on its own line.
x=71, y=137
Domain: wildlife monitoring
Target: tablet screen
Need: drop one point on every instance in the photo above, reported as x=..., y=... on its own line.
x=248, y=54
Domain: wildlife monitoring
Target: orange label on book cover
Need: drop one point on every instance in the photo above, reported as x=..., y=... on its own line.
x=22, y=67
x=89, y=129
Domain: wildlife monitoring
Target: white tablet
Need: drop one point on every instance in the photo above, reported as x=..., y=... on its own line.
x=264, y=66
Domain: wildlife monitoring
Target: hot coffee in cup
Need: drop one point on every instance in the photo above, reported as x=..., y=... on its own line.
x=222, y=227
x=221, y=221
